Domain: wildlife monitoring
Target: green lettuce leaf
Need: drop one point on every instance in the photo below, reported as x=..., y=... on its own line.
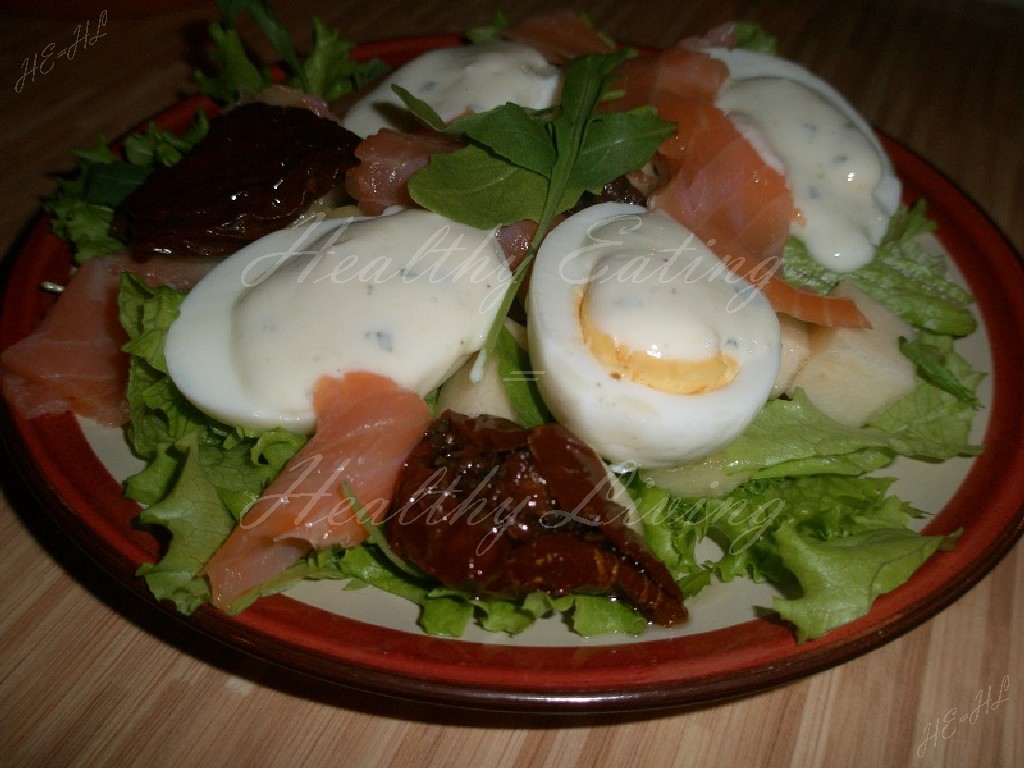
x=200, y=475
x=594, y=615
x=933, y=421
x=792, y=437
x=82, y=207
x=487, y=33
x=751, y=36
x=841, y=578
x=904, y=275
x=446, y=612
x=198, y=524
x=359, y=567
x=937, y=363
x=235, y=72
x=328, y=71
x=520, y=381
x=841, y=540
x=928, y=424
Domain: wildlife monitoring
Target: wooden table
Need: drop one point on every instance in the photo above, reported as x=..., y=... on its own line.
x=91, y=676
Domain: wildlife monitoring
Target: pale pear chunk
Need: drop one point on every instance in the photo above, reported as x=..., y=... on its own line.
x=462, y=395
x=795, y=342
x=852, y=373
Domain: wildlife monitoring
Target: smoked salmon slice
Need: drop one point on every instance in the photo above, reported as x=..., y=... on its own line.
x=73, y=360
x=716, y=184
x=560, y=35
x=722, y=190
x=668, y=76
x=366, y=426
x=387, y=159
x=720, y=187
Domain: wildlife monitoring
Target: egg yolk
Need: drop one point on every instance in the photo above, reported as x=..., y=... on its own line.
x=653, y=362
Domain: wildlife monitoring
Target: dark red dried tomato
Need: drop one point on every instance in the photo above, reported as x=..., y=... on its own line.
x=492, y=508
x=259, y=167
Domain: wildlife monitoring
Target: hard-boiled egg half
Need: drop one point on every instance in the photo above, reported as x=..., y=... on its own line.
x=842, y=180
x=645, y=345
x=409, y=296
x=465, y=78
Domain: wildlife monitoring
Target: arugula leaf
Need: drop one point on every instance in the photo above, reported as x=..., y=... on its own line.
x=532, y=165
x=476, y=187
x=508, y=131
x=263, y=14
x=107, y=184
x=422, y=111
x=513, y=133
x=616, y=143
x=586, y=80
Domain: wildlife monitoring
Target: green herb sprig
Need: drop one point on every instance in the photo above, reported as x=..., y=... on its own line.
x=534, y=164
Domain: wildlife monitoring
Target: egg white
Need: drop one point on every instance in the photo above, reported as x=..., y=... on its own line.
x=630, y=423
x=388, y=295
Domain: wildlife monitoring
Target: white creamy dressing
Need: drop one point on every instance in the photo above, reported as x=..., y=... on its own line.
x=841, y=179
x=454, y=81
x=409, y=296
x=831, y=167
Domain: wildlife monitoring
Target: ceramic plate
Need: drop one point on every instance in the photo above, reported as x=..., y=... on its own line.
x=733, y=647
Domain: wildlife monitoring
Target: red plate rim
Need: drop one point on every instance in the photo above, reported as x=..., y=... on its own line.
x=66, y=479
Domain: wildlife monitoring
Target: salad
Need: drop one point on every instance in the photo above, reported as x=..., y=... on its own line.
x=780, y=482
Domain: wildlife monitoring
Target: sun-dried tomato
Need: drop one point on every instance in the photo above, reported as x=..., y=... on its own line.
x=492, y=508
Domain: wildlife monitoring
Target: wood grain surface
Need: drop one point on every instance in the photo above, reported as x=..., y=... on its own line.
x=91, y=676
